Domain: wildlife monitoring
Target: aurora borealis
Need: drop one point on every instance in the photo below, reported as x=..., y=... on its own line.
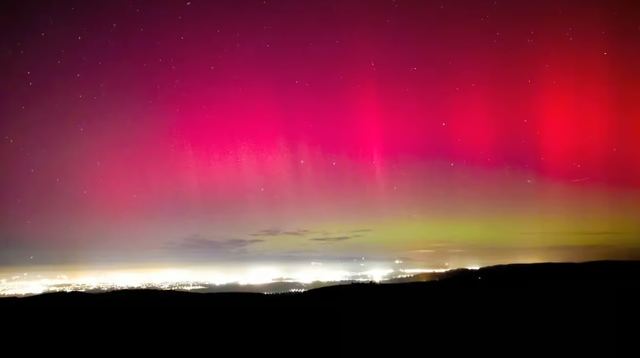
x=491, y=131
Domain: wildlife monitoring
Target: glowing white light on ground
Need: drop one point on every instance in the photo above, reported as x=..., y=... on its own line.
x=201, y=278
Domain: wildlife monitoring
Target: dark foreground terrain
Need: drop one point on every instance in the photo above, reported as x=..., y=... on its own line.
x=537, y=303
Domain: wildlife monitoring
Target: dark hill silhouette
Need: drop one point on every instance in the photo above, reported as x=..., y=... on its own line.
x=566, y=299
x=488, y=280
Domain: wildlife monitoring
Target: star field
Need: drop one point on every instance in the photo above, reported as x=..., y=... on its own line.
x=397, y=128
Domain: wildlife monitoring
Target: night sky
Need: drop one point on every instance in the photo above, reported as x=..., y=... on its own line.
x=155, y=130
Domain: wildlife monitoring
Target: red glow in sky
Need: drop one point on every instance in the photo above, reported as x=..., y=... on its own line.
x=134, y=127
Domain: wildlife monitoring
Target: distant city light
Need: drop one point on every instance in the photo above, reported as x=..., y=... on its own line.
x=189, y=280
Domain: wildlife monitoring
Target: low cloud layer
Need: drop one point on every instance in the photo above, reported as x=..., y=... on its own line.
x=278, y=232
x=200, y=243
x=579, y=233
x=305, y=233
x=334, y=238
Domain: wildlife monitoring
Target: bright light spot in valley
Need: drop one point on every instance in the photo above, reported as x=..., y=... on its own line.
x=203, y=279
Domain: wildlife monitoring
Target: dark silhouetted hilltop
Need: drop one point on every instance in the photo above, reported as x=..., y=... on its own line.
x=546, y=279
x=563, y=298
